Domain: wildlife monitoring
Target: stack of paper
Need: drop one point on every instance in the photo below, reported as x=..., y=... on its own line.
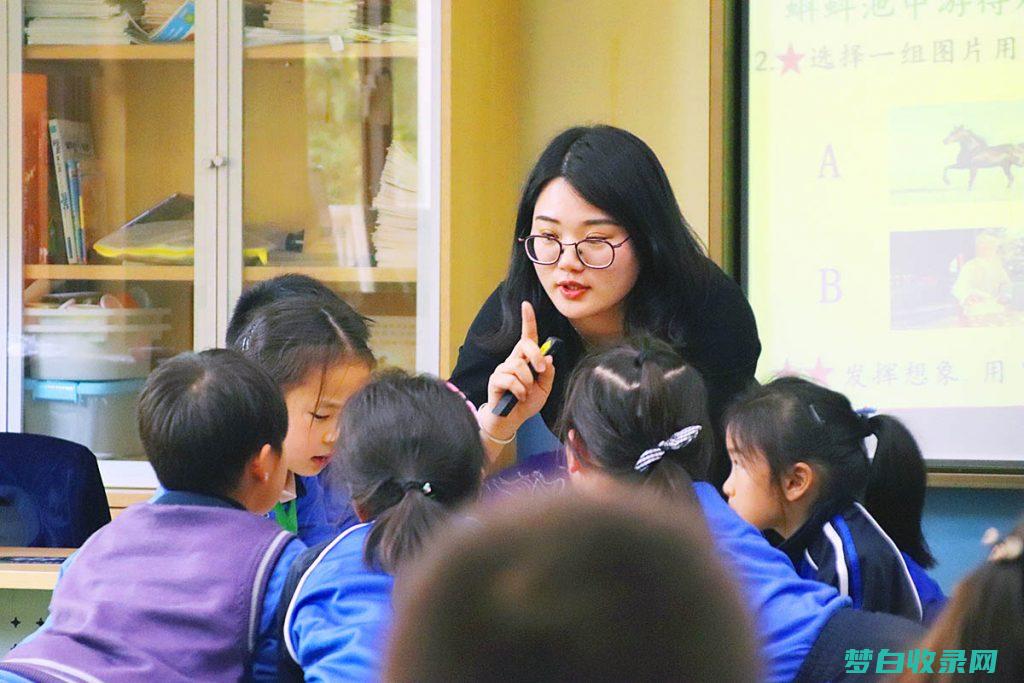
x=298, y=21
x=158, y=12
x=385, y=33
x=394, y=238
x=83, y=22
x=319, y=16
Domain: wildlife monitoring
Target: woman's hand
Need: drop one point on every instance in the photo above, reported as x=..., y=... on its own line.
x=514, y=375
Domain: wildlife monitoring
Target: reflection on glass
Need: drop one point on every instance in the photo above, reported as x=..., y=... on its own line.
x=330, y=168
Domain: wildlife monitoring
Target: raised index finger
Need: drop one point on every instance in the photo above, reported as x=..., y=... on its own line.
x=529, y=322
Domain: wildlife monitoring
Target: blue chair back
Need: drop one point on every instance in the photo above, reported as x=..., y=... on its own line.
x=51, y=493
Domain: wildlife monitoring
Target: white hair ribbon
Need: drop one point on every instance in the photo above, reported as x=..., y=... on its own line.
x=673, y=443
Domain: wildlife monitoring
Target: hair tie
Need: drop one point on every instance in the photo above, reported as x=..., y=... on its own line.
x=864, y=417
x=423, y=487
x=469, y=404
x=641, y=358
x=673, y=443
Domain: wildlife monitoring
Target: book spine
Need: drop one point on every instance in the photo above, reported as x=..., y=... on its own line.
x=60, y=171
x=43, y=198
x=75, y=195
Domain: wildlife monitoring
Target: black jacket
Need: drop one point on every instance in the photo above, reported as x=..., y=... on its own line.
x=721, y=341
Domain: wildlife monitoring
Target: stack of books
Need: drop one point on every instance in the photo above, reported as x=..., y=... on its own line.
x=160, y=12
x=297, y=21
x=83, y=22
x=394, y=238
x=385, y=33
x=319, y=16
x=71, y=142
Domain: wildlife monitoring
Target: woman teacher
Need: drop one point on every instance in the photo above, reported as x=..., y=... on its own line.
x=601, y=252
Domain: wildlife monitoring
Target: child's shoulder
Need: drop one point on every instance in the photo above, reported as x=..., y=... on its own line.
x=866, y=534
x=343, y=553
x=176, y=524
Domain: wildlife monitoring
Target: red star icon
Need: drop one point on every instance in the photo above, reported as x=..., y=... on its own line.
x=820, y=373
x=790, y=60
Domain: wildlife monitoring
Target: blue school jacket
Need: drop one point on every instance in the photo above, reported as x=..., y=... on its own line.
x=849, y=550
x=335, y=624
x=789, y=611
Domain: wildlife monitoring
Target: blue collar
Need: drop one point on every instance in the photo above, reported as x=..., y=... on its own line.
x=194, y=498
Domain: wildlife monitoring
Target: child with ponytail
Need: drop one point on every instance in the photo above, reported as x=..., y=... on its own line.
x=800, y=467
x=638, y=413
x=410, y=456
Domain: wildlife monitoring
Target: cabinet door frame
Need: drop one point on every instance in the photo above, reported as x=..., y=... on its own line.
x=428, y=120
x=208, y=178
x=10, y=212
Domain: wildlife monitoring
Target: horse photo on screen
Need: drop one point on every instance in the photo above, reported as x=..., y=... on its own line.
x=975, y=153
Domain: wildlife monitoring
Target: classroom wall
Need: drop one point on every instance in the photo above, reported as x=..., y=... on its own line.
x=642, y=66
x=480, y=185
x=955, y=519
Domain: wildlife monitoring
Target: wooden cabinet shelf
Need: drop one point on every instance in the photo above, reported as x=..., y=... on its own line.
x=140, y=272
x=334, y=274
x=133, y=272
x=186, y=52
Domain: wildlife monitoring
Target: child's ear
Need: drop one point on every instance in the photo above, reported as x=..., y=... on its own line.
x=798, y=482
x=361, y=512
x=575, y=452
x=265, y=464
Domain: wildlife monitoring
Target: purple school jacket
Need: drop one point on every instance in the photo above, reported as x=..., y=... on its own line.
x=163, y=593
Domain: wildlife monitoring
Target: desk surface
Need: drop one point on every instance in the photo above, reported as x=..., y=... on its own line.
x=30, y=575
x=43, y=575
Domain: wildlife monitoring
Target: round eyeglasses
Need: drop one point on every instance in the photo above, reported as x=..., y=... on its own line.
x=593, y=252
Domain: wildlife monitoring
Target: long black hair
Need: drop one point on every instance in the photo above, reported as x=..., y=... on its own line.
x=791, y=420
x=411, y=453
x=618, y=173
x=629, y=398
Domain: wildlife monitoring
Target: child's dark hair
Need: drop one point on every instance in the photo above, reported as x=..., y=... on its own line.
x=293, y=336
x=629, y=398
x=986, y=613
x=566, y=587
x=203, y=416
x=411, y=452
x=791, y=420
x=269, y=291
